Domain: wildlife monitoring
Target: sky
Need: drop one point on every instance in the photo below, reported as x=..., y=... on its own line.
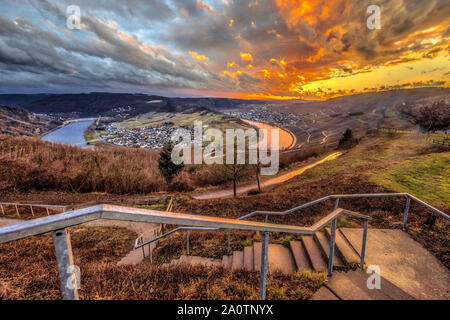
x=281, y=49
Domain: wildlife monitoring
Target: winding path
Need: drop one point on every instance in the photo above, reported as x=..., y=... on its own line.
x=277, y=180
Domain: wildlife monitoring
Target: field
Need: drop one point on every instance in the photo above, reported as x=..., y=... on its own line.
x=184, y=119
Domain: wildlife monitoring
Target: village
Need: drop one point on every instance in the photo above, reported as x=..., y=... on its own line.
x=143, y=137
x=262, y=113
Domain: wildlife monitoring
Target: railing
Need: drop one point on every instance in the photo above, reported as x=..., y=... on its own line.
x=30, y=205
x=57, y=224
x=335, y=197
x=139, y=242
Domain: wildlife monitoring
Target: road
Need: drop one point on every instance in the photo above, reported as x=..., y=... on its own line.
x=277, y=180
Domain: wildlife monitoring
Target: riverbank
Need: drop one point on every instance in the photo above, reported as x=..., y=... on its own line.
x=71, y=133
x=287, y=140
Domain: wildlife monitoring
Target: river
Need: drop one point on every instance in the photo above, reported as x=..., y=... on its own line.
x=286, y=139
x=72, y=133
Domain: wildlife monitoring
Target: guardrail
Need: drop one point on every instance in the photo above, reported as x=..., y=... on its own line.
x=335, y=197
x=30, y=205
x=57, y=224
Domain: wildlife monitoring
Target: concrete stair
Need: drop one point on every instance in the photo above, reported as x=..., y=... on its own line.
x=353, y=286
x=346, y=250
x=309, y=254
x=408, y=270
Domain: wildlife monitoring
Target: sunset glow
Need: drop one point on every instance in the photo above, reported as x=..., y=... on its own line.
x=278, y=49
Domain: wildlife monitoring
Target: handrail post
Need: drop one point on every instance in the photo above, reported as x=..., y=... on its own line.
x=266, y=219
x=143, y=249
x=263, y=276
x=405, y=214
x=364, y=240
x=67, y=273
x=187, y=242
x=336, y=204
x=332, y=243
x=150, y=253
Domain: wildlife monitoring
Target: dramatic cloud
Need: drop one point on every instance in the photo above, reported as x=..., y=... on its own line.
x=260, y=48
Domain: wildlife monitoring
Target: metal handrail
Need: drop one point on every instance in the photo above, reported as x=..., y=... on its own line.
x=31, y=205
x=336, y=196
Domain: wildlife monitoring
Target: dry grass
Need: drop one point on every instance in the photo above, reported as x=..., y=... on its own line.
x=29, y=164
x=28, y=267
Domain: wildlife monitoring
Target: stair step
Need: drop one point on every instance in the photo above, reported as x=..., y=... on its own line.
x=344, y=247
x=279, y=259
x=300, y=256
x=205, y=262
x=248, y=258
x=238, y=260
x=184, y=259
x=345, y=289
x=324, y=294
x=324, y=243
x=314, y=253
x=226, y=262
x=387, y=291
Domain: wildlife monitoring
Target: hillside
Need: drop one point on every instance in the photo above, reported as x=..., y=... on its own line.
x=324, y=121
x=18, y=121
x=107, y=104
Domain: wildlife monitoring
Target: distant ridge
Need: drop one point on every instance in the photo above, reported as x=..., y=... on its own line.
x=101, y=103
x=18, y=121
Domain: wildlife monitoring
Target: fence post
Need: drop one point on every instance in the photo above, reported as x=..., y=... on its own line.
x=229, y=240
x=17, y=210
x=405, y=214
x=187, y=242
x=3, y=210
x=32, y=212
x=364, y=240
x=67, y=275
x=332, y=242
x=336, y=204
x=150, y=253
x=48, y=213
x=264, y=254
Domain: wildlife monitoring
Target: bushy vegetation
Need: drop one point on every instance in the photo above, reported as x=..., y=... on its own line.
x=29, y=164
x=348, y=140
x=431, y=117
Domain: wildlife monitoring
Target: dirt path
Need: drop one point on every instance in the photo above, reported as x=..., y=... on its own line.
x=270, y=182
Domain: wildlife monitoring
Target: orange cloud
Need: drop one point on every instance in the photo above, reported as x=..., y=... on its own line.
x=197, y=56
x=246, y=56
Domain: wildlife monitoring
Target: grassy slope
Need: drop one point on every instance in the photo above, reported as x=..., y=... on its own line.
x=397, y=162
x=427, y=177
